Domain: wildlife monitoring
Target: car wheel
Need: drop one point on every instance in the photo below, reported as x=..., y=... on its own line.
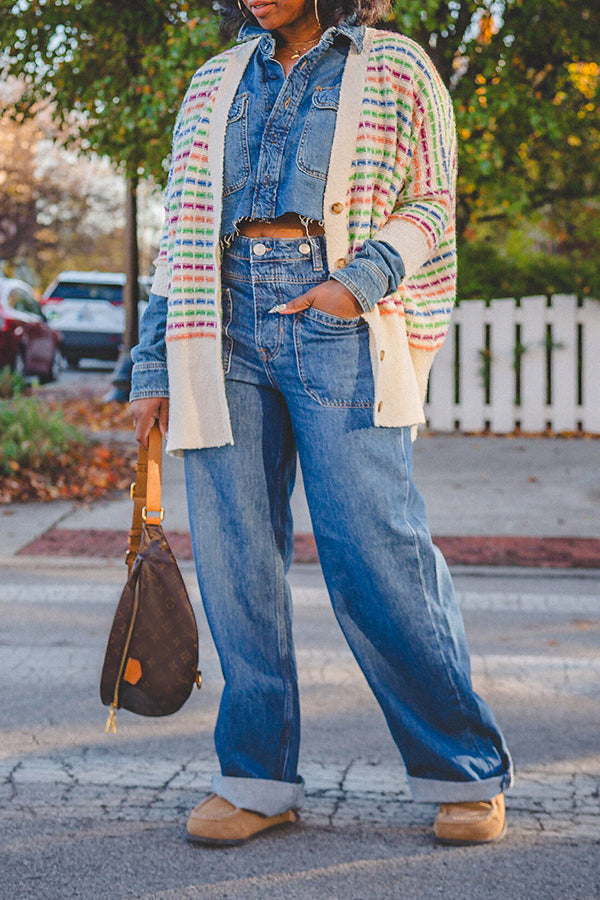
x=58, y=364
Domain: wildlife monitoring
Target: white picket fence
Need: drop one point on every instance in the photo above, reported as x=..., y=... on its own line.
x=531, y=364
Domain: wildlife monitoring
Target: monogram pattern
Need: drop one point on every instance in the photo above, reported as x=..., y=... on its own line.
x=164, y=636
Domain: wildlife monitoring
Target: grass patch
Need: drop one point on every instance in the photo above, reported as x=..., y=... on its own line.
x=48, y=451
x=31, y=436
x=11, y=384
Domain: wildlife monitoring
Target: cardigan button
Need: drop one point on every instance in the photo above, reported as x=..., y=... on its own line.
x=381, y=355
x=337, y=208
x=341, y=264
x=379, y=405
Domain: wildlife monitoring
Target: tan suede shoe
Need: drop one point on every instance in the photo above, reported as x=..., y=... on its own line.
x=479, y=822
x=216, y=821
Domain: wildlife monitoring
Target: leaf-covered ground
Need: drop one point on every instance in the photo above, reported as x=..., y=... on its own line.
x=90, y=469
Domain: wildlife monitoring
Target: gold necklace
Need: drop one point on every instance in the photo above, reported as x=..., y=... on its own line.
x=302, y=48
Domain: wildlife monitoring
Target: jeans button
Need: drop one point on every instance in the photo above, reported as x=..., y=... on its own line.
x=259, y=249
x=304, y=248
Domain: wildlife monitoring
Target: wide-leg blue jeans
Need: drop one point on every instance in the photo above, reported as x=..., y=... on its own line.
x=304, y=383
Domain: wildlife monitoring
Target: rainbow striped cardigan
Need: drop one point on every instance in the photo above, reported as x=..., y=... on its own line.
x=392, y=177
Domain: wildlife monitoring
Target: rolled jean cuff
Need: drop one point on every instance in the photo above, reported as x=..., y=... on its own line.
x=427, y=790
x=259, y=795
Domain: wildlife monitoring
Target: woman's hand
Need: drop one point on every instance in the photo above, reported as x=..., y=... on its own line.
x=330, y=297
x=145, y=412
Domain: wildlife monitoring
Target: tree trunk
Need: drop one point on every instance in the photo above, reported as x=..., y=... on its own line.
x=131, y=294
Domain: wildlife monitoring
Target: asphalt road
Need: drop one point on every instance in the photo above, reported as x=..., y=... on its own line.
x=89, y=815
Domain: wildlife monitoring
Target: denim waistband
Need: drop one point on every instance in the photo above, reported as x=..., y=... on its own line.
x=266, y=251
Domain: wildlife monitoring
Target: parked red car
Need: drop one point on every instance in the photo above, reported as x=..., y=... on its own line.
x=28, y=345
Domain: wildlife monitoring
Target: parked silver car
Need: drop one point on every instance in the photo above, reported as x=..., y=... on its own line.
x=87, y=309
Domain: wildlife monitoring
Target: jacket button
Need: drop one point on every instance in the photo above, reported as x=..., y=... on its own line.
x=341, y=264
x=337, y=208
x=381, y=355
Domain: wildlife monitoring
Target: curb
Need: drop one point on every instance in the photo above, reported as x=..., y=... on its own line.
x=476, y=550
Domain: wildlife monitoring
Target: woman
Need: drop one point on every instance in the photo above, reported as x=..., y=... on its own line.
x=304, y=283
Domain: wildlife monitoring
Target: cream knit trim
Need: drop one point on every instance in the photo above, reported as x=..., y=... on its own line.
x=409, y=241
x=196, y=374
x=343, y=150
x=160, y=282
x=421, y=362
x=397, y=396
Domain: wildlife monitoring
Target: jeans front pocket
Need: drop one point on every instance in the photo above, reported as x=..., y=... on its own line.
x=236, y=167
x=334, y=362
x=226, y=339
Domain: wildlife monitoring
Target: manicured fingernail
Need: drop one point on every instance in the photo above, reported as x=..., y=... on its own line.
x=277, y=309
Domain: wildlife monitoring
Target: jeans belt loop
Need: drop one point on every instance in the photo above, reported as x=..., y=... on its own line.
x=317, y=256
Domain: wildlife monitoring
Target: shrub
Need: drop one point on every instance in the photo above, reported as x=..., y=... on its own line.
x=484, y=273
x=31, y=436
x=12, y=384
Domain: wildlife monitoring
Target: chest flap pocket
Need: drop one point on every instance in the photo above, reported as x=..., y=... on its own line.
x=236, y=170
x=314, y=148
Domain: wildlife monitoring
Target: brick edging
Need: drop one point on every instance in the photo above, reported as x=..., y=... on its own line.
x=475, y=550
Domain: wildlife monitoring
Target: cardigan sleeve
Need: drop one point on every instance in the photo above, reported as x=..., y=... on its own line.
x=426, y=206
x=160, y=281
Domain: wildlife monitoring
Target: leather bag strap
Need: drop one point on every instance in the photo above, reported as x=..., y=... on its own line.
x=146, y=493
x=154, y=513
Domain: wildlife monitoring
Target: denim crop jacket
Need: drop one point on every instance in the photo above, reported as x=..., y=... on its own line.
x=278, y=145
x=393, y=180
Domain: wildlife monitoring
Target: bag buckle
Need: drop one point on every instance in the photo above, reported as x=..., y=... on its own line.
x=153, y=515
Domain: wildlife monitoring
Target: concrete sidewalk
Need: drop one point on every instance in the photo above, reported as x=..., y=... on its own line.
x=491, y=500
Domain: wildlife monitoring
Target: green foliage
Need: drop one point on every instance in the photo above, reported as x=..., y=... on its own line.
x=11, y=384
x=186, y=46
x=485, y=273
x=524, y=76
x=114, y=72
x=526, y=85
x=485, y=372
x=31, y=436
